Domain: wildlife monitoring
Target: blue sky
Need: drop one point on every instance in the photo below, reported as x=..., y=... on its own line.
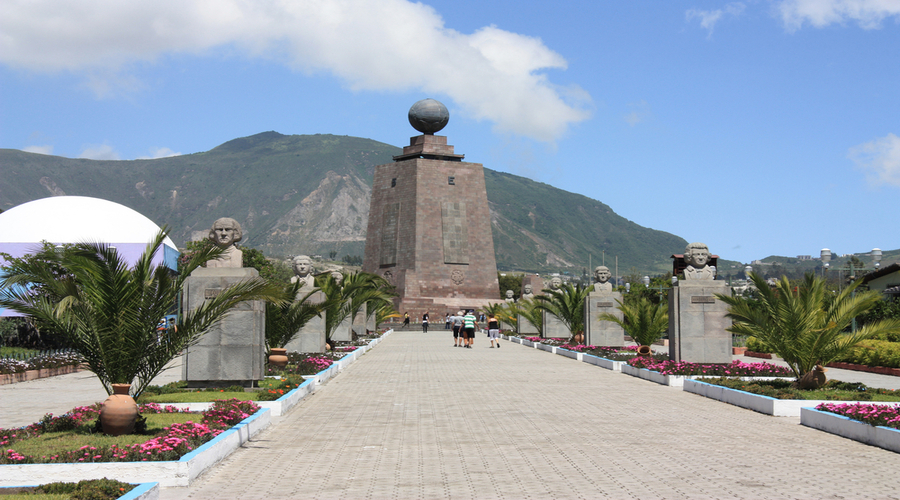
x=759, y=127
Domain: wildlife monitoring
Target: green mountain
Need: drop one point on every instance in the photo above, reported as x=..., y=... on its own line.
x=310, y=194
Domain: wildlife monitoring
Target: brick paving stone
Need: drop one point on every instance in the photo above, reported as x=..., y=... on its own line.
x=416, y=418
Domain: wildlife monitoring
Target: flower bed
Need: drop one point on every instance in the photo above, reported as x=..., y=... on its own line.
x=41, y=361
x=152, y=467
x=734, y=369
x=823, y=419
x=872, y=414
x=738, y=392
x=178, y=440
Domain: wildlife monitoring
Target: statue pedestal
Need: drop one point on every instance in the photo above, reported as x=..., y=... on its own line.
x=233, y=351
x=310, y=338
x=697, y=322
x=526, y=328
x=554, y=328
x=344, y=331
x=603, y=333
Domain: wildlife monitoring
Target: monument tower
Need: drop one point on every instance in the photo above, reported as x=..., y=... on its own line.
x=429, y=231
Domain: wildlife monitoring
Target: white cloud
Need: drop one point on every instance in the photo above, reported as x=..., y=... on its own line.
x=101, y=152
x=868, y=14
x=640, y=111
x=41, y=150
x=709, y=18
x=879, y=159
x=491, y=74
x=159, y=153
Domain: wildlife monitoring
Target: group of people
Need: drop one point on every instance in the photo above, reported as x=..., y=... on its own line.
x=463, y=324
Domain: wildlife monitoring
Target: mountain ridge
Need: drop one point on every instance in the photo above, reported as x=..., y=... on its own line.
x=310, y=194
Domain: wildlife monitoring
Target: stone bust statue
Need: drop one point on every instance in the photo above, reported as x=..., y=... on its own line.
x=696, y=256
x=601, y=279
x=555, y=283
x=303, y=270
x=528, y=292
x=510, y=296
x=338, y=276
x=224, y=234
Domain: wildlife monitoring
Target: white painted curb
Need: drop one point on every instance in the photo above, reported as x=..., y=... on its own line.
x=609, y=364
x=669, y=380
x=882, y=437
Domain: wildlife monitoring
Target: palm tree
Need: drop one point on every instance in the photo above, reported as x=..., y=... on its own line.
x=108, y=312
x=643, y=320
x=808, y=327
x=351, y=295
x=567, y=304
x=529, y=311
x=284, y=320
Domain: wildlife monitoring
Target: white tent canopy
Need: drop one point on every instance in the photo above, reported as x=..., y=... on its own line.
x=78, y=219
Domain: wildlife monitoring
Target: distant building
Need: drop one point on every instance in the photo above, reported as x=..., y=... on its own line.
x=804, y=257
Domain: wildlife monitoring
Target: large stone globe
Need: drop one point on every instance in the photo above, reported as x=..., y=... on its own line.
x=428, y=116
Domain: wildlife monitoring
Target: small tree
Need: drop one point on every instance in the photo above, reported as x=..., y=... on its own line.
x=285, y=319
x=809, y=327
x=567, y=304
x=108, y=312
x=644, y=320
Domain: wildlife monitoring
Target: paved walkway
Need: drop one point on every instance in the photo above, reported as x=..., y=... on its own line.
x=417, y=418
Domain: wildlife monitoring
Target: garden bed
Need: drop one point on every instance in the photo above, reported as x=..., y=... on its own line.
x=756, y=402
x=882, y=437
x=142, y=491
x=882, y=370
x=169, y=473
x=12, y=378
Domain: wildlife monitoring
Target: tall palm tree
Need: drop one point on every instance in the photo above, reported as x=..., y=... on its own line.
x=108, y=312
x=284, y=320
x=809, y=327
x=643, y=320
x=567, y=304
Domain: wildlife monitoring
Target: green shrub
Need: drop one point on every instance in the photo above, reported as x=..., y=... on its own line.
x=756, y=345
x=94, y=489
x=875, y=353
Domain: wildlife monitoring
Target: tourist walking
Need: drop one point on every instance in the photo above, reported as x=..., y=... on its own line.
x=493, y=330
x=425, y=323
x=456, y=322
x=470, y=324
x=447, y=322
x=406, y=321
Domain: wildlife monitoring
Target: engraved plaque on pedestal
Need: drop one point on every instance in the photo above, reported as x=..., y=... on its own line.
x=603, y=333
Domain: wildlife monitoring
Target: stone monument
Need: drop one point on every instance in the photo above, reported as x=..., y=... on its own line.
x=553, y=326
x=524, y=327
x=510, y=296
x=429, y=231
x=233, y=351
x=603, y=300
x=697, y=322
x=310, y=338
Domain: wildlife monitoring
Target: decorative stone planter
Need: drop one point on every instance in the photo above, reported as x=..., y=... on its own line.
x=760, y=355
x=756, y=402
x=609, y=364
x=171, y=473
x=738, y=351
x=669, y=380
x=882, y=437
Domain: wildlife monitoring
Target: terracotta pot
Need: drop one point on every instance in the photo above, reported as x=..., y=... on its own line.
x=644, y=350
x=278, y=357
x=119, y=412
x=579, y=338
